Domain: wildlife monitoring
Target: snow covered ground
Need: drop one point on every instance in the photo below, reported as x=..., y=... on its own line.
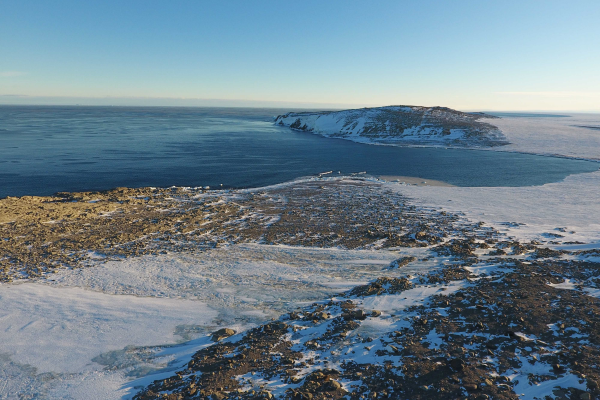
x=50, y=336
x=86, y=333
x=570, y=208
x=573, y=135
x=101, y=331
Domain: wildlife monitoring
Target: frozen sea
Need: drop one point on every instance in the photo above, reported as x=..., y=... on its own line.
x=46, y=149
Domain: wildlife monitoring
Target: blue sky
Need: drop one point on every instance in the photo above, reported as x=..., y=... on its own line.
x=504, y=55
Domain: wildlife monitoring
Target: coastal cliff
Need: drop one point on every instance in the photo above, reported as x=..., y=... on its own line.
x=401, y=125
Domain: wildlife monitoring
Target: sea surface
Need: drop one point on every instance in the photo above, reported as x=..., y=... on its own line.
x=47, y=149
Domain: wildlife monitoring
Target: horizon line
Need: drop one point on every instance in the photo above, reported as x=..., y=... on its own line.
x=72, y=101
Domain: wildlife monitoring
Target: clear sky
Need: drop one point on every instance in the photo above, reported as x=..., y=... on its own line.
x=487, y=55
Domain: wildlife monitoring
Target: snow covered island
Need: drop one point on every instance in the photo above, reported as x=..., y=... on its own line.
x=400, y=125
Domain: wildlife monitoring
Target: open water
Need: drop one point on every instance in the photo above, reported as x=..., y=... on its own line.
x=46, y=149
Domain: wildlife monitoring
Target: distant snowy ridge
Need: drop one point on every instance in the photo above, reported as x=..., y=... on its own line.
x=402, y=125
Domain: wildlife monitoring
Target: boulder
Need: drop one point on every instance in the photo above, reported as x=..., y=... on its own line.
x=222, y=334
x=456, y=364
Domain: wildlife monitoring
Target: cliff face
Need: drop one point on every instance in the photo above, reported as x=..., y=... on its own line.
x=402, y=125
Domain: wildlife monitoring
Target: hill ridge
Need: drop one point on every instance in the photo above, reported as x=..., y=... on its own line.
x=400, y=125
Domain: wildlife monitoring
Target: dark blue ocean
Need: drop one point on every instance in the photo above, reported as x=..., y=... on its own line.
x=46, y=149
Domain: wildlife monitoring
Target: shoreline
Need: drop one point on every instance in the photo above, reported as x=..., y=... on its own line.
x=410, y=180
x=413, y=181
x=402, y=179
x=449, y=146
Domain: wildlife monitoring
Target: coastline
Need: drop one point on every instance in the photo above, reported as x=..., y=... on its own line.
x=414, y=181
x=534, y=136
x=446, y=291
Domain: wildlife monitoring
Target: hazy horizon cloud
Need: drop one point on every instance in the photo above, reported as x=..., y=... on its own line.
x=19, y=99
x=554, y=94
x=11, y=74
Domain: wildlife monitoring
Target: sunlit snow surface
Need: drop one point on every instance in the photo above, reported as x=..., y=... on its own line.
x=574, y=135
x=58, y=336
x=51, y=334
x=570, y=208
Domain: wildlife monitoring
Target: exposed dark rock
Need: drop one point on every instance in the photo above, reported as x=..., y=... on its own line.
x=222, y=334
x=382, y=286
x=403, y=261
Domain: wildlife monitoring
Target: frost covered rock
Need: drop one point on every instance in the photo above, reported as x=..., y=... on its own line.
x=402, y=262
x=407, y=125
x=222, y=334
x=382, y=286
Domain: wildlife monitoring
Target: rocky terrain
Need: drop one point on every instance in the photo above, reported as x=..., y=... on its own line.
x=400, y=125
x=42, y=234
x=497, y=318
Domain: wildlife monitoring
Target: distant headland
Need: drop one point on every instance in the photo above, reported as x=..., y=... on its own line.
x=400, y=125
